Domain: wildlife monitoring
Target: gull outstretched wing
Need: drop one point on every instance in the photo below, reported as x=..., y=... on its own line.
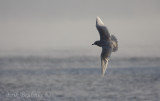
x=102, y=29
x=105, y=55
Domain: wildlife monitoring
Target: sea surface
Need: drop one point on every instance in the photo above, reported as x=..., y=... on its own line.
x=76, y=76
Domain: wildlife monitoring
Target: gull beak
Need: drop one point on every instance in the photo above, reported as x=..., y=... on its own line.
x=93, y=44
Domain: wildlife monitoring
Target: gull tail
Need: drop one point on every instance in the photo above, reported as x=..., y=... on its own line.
x=115, y=43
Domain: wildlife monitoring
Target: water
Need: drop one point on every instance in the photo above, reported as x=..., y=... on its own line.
x=71, y=76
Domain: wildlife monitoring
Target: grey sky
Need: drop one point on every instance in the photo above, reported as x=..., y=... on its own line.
x=57, y=24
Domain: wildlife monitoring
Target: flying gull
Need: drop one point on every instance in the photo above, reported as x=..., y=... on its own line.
x=108, y=43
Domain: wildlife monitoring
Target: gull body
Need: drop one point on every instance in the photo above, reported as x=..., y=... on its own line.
x=108, y=43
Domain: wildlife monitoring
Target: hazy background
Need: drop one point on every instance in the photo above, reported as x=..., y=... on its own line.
x=45, y=49
x=44, y=25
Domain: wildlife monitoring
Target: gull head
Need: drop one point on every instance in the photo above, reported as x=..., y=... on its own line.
x=98, y=43
x=95, y=43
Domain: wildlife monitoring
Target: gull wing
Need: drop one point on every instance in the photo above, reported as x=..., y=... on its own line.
x=102, y=29
x=105, y=55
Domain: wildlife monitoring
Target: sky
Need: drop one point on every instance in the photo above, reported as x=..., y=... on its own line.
x=70, y=24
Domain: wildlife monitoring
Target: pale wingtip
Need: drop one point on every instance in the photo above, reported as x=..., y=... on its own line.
x=97, y=17
x=99, y=21
x=102, y=75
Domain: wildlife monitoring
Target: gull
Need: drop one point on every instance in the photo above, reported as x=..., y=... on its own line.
x=108, y=43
